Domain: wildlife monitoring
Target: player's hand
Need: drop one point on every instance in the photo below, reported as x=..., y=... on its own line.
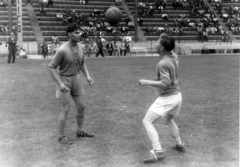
x=90, y=80
x=143, y=82
x=63, y=87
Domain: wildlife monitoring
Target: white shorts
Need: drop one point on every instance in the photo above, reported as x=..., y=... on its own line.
x=167, y=104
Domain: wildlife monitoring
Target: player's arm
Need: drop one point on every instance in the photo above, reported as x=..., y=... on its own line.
x=53, y=71
x=162, y=83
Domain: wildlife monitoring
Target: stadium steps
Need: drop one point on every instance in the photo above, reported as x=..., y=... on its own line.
x=35, y=25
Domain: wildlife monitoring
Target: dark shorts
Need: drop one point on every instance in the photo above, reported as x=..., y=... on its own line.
x=74, y=85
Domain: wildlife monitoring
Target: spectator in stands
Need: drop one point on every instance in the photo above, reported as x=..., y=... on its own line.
x=42, y=10
x=2, y=3
x=50, y=3
x=165, y=16
x=58, y=14
x=82, y=2
x=141, y=8
x=14, y=29
x=131, y=25
x=150, y=10
x=159, y=7
x=110, y=48
x=127, y=20
x=118, y=2
x=5, y=29
x=140, y=21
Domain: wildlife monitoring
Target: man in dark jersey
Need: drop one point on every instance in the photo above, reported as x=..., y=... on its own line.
x=169, y=102
x=70, y=59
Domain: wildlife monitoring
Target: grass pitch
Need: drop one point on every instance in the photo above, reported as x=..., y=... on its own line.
x=115, y=107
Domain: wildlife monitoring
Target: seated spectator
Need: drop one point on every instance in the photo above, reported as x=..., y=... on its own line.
x=68, y=10
x=140, y=21
x=141, y=8
x=131, y=25
x=58, y=14
x=5, y=29
x=165, y=16
x=82, y=2
x=96, y=12
x=118, y=2
x=50, y=3
x=43, y=2
x=2, y=3
x=159, y=7
x=150, y=10
x=127, y=20
x=191, y=24
x=42, y=10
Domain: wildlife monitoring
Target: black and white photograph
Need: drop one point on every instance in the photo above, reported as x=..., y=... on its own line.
x=119, y=83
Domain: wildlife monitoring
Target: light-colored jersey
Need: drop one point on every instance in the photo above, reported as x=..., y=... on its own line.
x=69, y=63
x=167, y=72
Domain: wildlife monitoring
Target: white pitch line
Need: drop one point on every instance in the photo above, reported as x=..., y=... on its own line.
x=127, y=67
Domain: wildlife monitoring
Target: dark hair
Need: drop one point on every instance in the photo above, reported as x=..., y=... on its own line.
x=72, y=27
x=167, y=42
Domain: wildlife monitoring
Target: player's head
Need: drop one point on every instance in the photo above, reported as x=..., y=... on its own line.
x=73, y=32
x=165, y=43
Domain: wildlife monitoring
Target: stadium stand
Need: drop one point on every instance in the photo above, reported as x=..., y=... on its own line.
x=28, y=34
x=229, y=12
x=150, y=25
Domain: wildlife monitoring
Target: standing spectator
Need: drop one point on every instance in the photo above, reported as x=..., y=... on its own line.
x=109, y=47
x=100, y=47
x=12, y=47
x=55, y=43
x=127, y=48
x=116, y=49
x=122, y=48
x=44, y=48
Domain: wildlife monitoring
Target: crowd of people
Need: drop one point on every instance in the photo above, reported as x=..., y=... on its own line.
x=230, y=15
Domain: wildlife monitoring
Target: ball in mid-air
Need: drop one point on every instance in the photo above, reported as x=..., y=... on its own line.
x=113, y=15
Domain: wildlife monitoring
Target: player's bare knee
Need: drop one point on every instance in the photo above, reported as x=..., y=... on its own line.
x=145, y=122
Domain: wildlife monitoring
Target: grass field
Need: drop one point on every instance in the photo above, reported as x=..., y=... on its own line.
x=115, y=107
